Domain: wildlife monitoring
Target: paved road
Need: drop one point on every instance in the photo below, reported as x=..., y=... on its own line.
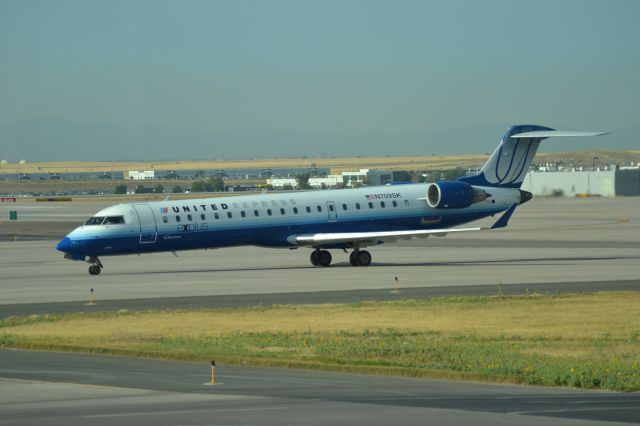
x=65, y=389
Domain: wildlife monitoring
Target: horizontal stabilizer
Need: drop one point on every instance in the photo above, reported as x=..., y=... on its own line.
x=555, y=133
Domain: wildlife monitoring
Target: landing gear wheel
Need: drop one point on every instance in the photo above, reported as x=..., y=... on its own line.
x=314, y=258
x=363, y=258
x=96, y=265
x=324, y=258
x=352, y=259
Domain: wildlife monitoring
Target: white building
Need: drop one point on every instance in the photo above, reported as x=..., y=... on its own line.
x=331, y=181
x=280, y=183
x=366, y=177
x=363, y=177
x=136, y=175
x=607, y=183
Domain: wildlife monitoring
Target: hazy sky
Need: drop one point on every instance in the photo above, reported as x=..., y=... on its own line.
x=322, y=66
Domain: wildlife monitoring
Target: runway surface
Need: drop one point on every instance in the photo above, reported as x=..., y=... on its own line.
x=64, y=389
x=593, y=243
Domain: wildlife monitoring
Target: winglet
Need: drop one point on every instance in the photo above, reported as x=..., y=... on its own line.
x=502, y=222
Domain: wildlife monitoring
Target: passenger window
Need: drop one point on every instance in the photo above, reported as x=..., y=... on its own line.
x=202, y=216
x=165, y=219
x=269, y=212
x=177, y=218
x=255, y=213
x=357, y=206
x=330, y=207
x=382, y=204
x=308, y=209
x=189, y=218
x=370, y=205
x=229, y=215
x=295, y=210
x=281, y=211
x=406, y=203
x=320, y=208
x=395, y=203
x=216, y=216
x=243, y=214
x=344, y=207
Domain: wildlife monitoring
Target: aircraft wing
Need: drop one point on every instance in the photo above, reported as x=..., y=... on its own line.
x=371, y=238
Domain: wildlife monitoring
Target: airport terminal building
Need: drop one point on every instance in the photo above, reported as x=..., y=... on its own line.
x=571, y=183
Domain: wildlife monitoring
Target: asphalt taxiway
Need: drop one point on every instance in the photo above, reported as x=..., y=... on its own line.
x=65, y=389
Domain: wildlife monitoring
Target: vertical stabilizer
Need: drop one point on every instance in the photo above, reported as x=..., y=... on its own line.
x=509, y=163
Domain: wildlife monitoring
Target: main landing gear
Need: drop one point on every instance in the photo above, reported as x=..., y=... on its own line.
x=96, y=265
x=320, y=258
x=360, y=258
x=356, y=258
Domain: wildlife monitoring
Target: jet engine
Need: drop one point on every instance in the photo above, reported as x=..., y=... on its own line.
x=454, y=195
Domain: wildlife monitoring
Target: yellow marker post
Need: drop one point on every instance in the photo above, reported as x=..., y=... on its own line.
x=396, y=288
x=213, y=372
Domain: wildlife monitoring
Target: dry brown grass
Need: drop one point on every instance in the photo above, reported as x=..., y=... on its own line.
x=425, y=162
x=336, y=164
x=578, y=317
x=588, y=341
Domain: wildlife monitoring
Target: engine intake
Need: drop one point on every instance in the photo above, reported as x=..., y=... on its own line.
x=454, y=195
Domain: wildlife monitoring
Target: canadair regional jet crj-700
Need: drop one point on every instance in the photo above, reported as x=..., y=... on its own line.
x=347, y=219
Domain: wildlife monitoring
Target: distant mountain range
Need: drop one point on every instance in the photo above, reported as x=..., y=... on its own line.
x=52, y=139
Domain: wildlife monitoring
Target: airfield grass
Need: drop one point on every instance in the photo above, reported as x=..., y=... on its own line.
x=583, y=340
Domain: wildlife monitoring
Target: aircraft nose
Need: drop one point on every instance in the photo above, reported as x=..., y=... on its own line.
x=64, y=245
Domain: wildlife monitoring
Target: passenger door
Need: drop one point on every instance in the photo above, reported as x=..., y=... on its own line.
x=331, y=210
x=148, y=227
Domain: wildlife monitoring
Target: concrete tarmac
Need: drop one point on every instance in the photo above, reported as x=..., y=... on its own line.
x=68, y=389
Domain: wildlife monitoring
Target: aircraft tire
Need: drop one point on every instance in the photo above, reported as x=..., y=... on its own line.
x=363, y=258
x=314, y=258
x=94, y=270
x=324, y=258
x=352, y=259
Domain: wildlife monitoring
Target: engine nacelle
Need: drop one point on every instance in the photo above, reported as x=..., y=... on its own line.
x=453, y=195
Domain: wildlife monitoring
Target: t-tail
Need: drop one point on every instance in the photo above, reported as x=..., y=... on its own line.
x=509, y=163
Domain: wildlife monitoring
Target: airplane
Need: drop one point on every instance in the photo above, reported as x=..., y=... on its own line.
x=346, y=219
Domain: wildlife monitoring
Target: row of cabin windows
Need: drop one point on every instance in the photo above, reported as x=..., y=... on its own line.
x=256, y=213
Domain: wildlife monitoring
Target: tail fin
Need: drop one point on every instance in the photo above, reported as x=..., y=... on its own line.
x=509, y=163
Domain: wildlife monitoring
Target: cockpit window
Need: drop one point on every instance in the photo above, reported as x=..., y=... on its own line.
x=96, y=220
x=113, y=220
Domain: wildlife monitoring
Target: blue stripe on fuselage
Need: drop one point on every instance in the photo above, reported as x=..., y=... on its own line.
x=261, y=234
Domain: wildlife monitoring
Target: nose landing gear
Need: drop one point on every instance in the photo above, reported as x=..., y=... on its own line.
x=96, y=265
